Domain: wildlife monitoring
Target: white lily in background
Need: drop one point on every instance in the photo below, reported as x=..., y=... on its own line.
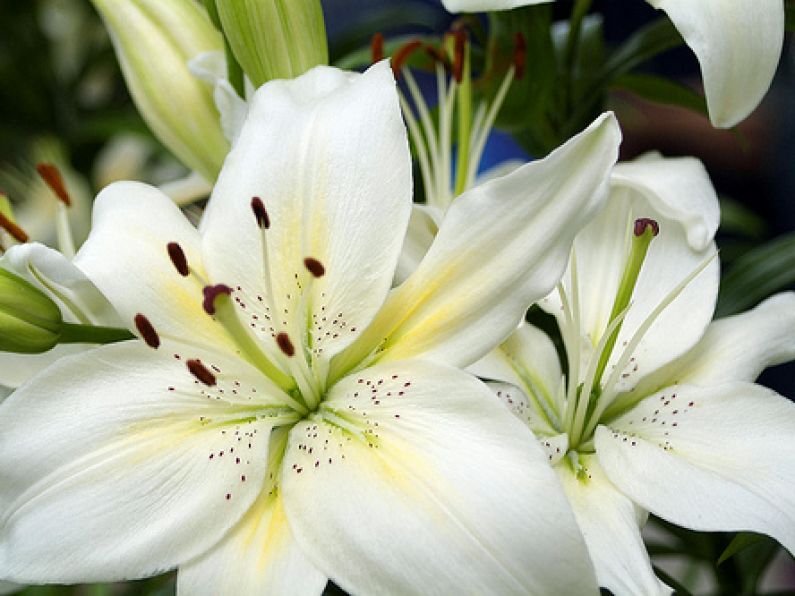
x=286, y=419
x=656, y=415
x=738, y=44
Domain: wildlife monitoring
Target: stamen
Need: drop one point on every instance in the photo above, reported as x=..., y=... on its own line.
x=148, y=333
x=377, y=47
x=258, y=207
x=16, y=232
x=402, y=55
x=460, y=38
x=314, y=267
x=285, y=345
x=52, y=177
x=177, y=256
x=198, y=370
x=519, y=54
x=211, y=293
x=437, y=56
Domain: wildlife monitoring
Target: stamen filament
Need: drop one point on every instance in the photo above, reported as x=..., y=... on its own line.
x=610, y=392
x=464, y=96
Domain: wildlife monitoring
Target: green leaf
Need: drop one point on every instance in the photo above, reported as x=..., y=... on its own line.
x=740, y=542
x=790, y=16
x=757, y=275
x=735, y=218
x=679, y=589
x=661, y=90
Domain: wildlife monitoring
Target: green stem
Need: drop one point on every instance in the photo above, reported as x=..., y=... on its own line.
x=464, y=124
x=75, y=333
x=581, y=8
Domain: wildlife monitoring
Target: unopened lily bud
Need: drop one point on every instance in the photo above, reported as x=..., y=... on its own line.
x=275, y=39
x=154, y=40
x=30, y=322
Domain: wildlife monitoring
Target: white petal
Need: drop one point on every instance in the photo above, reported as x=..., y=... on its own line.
x=124, y=477
x=260, y=556
x=9, y=588
x=433, y=486
x=15, y=369
x=126, y=257
x=487, y=5
x=679, y=188
x=738, y=43
x=530, y=412
x=501, y=246
x=423, y=226
x=328, y=155
x=684, y=242
x=736, y=348
x=716, y=459
x=610, y=524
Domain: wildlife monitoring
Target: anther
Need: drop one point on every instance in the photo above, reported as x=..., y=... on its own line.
x=258, y=207
x=519, y=54
x=458, y=55
x=52, y=177
x=644, y=223
x=314, y=267
x=437, y=55
x=198, y=370
x=211, y=293
x=177, y=256
x=400, y=57
x=148, y=333
x=16, y=232
x=377, y=47
x=285, y=345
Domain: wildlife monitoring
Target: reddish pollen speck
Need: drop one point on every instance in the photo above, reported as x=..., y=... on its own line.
x=377, y=48
x=260, y=213
x=16, y=232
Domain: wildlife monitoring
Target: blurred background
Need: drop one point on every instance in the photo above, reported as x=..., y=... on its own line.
x=63, y=100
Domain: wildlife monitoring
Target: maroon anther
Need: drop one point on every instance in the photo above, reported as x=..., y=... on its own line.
x=402, y=55
x=458, y=54
x=377, y=48
x=644, y=223
x=52, y=176
x=211, y=294
x=519, y=54
x=16, y=232
x=198, y=370
x=285, y=345
x=258, y=207
x=148, y=333
x=177, y=256
x=314, y=267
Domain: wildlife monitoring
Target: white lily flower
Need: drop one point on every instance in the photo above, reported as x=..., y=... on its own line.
x=737, y=42
x=297, y=421
x=656, y=415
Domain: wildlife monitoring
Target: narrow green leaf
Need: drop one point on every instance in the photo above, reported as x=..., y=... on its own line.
x=758, y=274
x=661, y=90
x=679, y=589
x=740, y=542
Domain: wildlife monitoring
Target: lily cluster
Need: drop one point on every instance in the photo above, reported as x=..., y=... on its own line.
x=324, y=381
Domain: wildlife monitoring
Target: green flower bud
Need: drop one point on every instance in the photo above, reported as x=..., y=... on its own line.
x=30, y=322
x=274, y=39
x=154, y=40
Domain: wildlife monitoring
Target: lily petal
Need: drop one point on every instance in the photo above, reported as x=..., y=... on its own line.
x=736, y=348
x=126, y=256
x=610, y=524
x=501, y=246
x=328, y=157
x=714, y=459
x=737, y=43
x=423, y=470
x=487, y=5
x=422, y=229
x=260, y=556
x=641, y=190
x=125, y=477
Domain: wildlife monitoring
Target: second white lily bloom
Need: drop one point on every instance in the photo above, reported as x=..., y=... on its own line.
x=655, y=414
x=290, y=419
